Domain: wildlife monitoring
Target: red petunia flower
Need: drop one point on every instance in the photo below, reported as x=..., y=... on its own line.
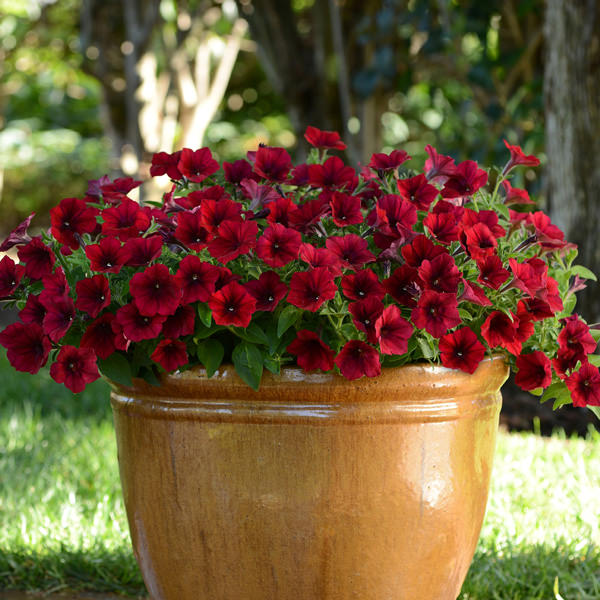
x=93, y=294
x=124, y=221
x=278, y=245
x=518, y=157
x=392, y=331
x=116, y=191
x=138, y=252
x=327, y=140
x=584, y=386
x=333, y=173
x=489, y=218
x=170, y=354
x=466, y=179
x=480, y=241
x=320, y=257
x=72, y=217
x=309, y=214
x=233, y=239
x=273, y=164
x=180, y=323
x=33, y=311
x=565, y=363
x=18, y=235
x=533, y=371
x=311, y=352
x=237, y=171
x=575, y=336
x=491, y=272
x=197, y=165
x=54, y=286
x=27, y=348
x=309, y=289
x=106, y=256
x=104, y=336
x=440, y=274
x=438, y=166
x=515, y=195
x=268, y=290
x=232, y=305
x=462, y=350
x=75, y=367
x=136, y=326
x=155, y=291
x=417, y=191
x=436, y=312
x=280, y=211
x=215, y=212
x=364, y=315
x=10, y=276
x=357, y=359
x=259, y=195
x=191, y=232
x=387, y=162
x=58, y=318
x=224, y=277
x=529, y=276
x=361, y=285
x=443, y=227
x=473, y=293
x=164, y=163
x=345, y=209
x=499, y=330
x=420, y=249
x=196, y=279
x=38, y=258
x=351, y=250
x=393, y=217
x=404, y=285
x=300, y=176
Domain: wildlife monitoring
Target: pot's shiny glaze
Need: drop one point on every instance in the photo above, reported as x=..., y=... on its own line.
x=313, y=488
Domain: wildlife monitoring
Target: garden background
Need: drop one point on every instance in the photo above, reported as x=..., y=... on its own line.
x=94, y=87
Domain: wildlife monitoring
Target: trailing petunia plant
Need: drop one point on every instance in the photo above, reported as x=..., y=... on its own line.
x=263, y=264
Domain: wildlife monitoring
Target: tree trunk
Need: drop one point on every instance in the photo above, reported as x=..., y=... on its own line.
x=572, y=96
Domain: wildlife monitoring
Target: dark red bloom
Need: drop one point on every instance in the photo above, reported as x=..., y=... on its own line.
x=387, y=162
x=237, y=171
x=278, y=245
x=233, y=239
x=107, y=256
x=584, y=386
x=404, y=285
x=136, y=326
x=125, y=221
x=518, y=157
x=138, y=252
x=75, y=367
x=70, y=218
x=438, y=166
x=440, y=274
x=515, y=195
x=524, y=322
x=364, y=315
x=529, y=276
x=436, y=312
x=311, y=352
x=196, y=279
x=466, y=179
x=58, y=318
x=54, y=286
x=443, y=226
x=564, y=363
x=197, y=165
x=351, y=250
x=93, y=294
x=491, y=272
x=393, y=331
x=10, y=276
x=272, y=163
x=104, y=336
x=479, y=241
x=38, y=258
x=215, y=212
x=538, y=309
x=170, y=354
x=164, y=163
x=420, y=249
x=224, y=277
x=462, y=350
x=309, y=214
x=180, y=323
x=575, y=336
x=345, y=209
x=155, y=291
x=417, y=191
x=26, y=345
x=191, y=232
x=357, y=359
x=361, y=285
x=393, y=218
x=268, y=290
x=473, y=293
x=33, y=311
x=309, y=289
x=232, y=305
x=324, y=139
x=488, y=218
x=499, y=330
x=280, y=211
x=259, y=195
x=320, y=257
x=18, y=235
x=533, y=371
x=300, y=176
x=333, y=173
x=117, y=190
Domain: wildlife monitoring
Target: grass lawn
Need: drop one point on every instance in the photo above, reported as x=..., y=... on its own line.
x=62, y=522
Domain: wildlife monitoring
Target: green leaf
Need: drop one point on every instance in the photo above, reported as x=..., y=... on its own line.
x=255, y=334
x=210, y=353
x=117, y=368
x=272, y=365
x=426, y=348
x=557, y=390
x=148, y=375
x=583, y=272
x=503, y=210
x=286, y=319
x=205, y=314
x=594, y=359
x=595, y=410
x=248, y=362
x=595, y=334
x=205, y=332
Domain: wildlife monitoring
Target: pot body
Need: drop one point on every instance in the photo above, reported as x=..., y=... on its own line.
x=312, y=488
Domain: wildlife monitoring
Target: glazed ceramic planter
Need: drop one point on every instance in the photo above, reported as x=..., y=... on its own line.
x=313, y=488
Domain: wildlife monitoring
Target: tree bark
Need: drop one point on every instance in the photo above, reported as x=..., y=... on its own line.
x=572, y=97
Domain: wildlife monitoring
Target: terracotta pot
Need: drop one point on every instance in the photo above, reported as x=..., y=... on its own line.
x=313, y=488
